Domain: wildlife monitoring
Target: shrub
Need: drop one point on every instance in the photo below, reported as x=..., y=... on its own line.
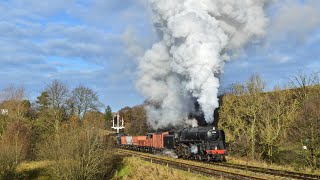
x=14, y=147
x=78, y=153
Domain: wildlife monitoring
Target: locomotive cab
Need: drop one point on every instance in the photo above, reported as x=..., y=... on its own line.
x=169, y=140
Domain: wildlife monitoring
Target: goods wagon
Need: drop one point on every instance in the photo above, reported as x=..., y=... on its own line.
x=141, y=143
x=149, y=141
x=158, y=140
x=136, y=139
x=123, y=140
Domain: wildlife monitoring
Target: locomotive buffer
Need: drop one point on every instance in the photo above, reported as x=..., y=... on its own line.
x=116, y=123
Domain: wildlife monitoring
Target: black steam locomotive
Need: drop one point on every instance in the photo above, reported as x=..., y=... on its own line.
x=203, y=143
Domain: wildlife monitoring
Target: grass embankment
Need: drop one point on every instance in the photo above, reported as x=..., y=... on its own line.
x=263, y=164
x=31, y=166
x=135, y=168
x=30, y=170
x=236, y=160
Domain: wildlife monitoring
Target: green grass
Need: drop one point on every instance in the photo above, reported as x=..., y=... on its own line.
x=33, y=170
x=135, y=168
x=260, y=163
x=125, y=171
x=29, y=170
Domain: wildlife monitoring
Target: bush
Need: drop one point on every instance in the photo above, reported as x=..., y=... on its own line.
x=78, y=153
x=14, y=147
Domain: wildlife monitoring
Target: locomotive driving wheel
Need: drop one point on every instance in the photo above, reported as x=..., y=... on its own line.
x=208, y=158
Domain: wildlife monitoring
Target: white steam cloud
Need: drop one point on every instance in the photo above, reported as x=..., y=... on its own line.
x=197, y=38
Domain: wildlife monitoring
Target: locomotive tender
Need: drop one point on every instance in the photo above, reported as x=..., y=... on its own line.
x=203, y=143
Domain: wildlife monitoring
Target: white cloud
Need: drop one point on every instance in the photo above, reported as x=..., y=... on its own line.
x=295, y=18
x=79, y=41
x=133, y=46
x=280, y=58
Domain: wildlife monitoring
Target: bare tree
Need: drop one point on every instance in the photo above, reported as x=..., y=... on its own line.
x=243, y=120
x=83, y=100
x=13, y=93
x=277, y=115
x=255, y=84
x=58, y=94
x=13, y=99
x=306, y=130
x=302, y=83
x=234, y=89
x=254, y=87
x=302, y=79
x=233, y=123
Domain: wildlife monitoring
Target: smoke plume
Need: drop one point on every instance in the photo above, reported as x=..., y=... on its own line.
x=197, y=38
x=191, y=123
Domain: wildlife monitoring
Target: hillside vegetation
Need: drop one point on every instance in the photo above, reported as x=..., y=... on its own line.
x=60, y=136
x=279, y=126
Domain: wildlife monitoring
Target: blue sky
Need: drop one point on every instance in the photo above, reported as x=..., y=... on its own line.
x=94, y=42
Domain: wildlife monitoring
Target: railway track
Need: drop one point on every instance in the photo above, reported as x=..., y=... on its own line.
x=232, y=175
x=274, y=172
x=211, y=172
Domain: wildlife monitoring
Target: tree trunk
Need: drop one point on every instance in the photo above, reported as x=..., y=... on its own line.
x=253, y=141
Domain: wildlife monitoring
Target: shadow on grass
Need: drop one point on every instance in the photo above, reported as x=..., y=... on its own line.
x=44, y=174
x=39, y=173
x=117, y=165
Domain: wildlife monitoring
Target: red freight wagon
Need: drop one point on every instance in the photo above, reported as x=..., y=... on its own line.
x=141, y=142
x=158, y=140
x=136, y=139
x=149, y=142
x=123, y=140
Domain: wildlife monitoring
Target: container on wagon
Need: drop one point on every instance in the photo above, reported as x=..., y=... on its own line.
x=129, y=140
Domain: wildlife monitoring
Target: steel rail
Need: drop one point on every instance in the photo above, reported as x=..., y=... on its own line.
x=261, y=170
x=275, y=172
x=193, y=168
